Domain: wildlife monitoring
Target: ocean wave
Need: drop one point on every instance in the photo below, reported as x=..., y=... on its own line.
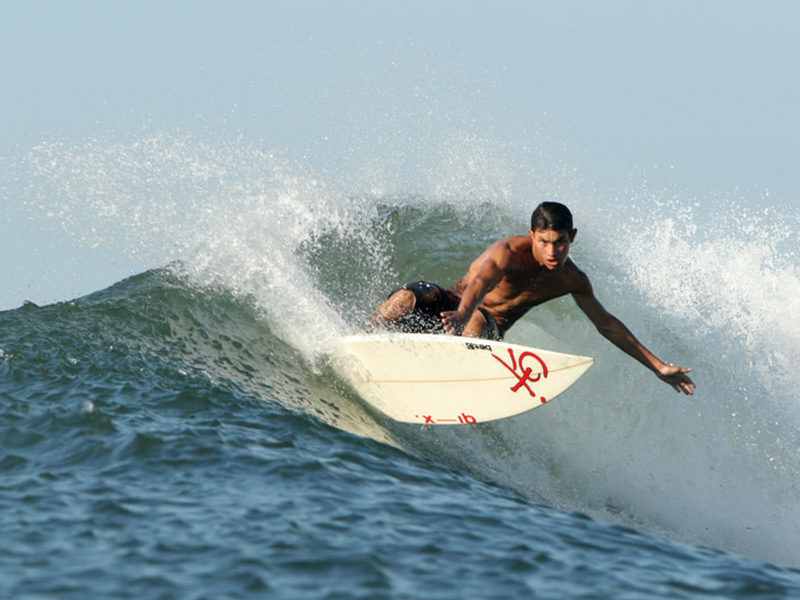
x=267, y=264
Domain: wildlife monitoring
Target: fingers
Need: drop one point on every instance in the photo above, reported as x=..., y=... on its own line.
x=450, y=322
x=679, y=381
x=686, y=386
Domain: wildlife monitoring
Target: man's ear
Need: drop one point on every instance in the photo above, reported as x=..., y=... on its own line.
x=572, y=235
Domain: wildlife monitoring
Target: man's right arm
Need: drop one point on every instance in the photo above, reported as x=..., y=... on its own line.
x=484, y=274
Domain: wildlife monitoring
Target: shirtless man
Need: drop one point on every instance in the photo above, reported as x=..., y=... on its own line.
x=512, y=276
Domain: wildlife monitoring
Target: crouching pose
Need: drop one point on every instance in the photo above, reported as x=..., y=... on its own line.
x=509, y=278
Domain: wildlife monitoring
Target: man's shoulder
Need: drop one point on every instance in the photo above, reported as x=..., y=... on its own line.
x=576, y=279
x=511, y=252
x=514, y=244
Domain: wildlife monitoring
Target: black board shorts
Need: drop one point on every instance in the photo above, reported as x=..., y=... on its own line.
x=432, y=300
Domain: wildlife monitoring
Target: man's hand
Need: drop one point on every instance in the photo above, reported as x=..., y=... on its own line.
x=677, y=378
x=453, y=321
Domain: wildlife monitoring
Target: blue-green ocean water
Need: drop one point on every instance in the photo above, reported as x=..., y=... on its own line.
x=160, y=441
x=180, y=434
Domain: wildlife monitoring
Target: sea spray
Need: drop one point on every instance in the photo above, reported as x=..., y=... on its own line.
x=227, y=215
x=712, y=289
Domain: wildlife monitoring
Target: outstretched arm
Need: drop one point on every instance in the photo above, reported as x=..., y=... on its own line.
x=618, y=334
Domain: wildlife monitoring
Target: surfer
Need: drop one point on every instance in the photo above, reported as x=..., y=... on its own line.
x=509, y=278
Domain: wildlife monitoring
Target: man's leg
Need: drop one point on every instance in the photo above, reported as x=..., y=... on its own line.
x=396, y=306
x=475, y=326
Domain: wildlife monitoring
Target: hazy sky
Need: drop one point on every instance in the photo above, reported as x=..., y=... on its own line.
x=708, y=89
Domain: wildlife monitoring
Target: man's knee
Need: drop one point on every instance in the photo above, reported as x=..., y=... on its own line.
x=475, y=325
x=399, y=304
x=404, y=300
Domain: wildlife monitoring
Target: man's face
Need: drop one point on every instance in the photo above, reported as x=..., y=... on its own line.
x=551, y=247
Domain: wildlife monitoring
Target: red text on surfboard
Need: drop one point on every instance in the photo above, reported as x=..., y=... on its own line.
x=521, y=369
x=462, y=418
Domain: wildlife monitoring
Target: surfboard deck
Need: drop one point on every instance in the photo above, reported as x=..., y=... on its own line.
x=452, y=380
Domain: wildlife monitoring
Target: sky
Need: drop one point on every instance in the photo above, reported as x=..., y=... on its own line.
x=704, y=94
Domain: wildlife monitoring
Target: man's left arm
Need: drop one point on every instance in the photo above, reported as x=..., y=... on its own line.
x=618, y=334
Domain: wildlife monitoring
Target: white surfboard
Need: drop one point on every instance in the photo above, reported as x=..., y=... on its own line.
x=451, y=380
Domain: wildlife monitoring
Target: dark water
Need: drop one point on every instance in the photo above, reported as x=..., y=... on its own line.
x=159, y=441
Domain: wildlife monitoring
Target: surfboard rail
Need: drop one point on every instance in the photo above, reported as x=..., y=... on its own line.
x=452, y=380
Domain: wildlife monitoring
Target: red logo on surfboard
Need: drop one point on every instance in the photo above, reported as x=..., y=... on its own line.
x=523, y=372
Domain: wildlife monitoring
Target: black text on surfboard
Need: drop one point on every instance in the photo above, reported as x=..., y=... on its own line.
x=474, y=346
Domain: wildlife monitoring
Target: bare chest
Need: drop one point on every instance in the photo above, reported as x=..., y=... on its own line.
x=519, y=296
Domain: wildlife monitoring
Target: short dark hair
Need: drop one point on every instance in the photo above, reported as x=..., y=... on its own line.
x=551, y=215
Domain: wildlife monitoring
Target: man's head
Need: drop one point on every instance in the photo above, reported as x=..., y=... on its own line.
x=551, y=215
x=551, y=234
